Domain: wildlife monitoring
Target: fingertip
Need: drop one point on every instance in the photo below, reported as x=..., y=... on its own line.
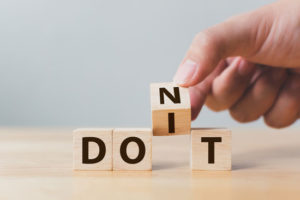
x=195, y=112
x=185, y=73
x=197, y=99
x=194, y=117
x=201, y=59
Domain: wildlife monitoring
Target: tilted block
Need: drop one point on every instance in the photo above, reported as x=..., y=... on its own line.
x=132, y=149
x=92, y=149
x=210, y=149
x=171, y=109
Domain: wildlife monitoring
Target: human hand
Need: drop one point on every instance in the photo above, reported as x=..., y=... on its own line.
x=249, y=64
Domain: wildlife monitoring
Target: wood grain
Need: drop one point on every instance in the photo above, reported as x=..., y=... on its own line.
x=36, y=163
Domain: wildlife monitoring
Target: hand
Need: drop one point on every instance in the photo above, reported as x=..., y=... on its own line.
x=249, y=64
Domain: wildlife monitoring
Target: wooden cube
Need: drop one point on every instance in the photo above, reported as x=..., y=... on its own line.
x=171, y=109
x=92, y=149
x=210, y=149
x=132, y=149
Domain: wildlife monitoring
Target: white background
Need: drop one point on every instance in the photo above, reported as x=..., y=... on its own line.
x=89, y=63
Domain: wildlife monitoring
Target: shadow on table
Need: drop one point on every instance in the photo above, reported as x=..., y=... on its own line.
x=169, y=165
x=270, y=156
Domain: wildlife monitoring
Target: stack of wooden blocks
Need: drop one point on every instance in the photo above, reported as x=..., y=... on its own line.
x=131, y=148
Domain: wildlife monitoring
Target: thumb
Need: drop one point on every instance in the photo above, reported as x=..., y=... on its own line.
x=238, y=36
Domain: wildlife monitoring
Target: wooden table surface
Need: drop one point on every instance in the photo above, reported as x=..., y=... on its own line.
x=37, y=164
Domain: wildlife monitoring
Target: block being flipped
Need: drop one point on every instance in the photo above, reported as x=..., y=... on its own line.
x=171, y=109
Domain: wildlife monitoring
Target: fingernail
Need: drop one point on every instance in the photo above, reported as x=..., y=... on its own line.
x=245, y=68
x=185, y=72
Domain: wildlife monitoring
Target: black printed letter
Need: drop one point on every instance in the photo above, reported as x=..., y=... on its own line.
x=85, y=150
x=142, y=150
x=175, y=98
x=171, y=119
x=211, y=147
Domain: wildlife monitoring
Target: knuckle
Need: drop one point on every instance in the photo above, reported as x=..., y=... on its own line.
x=214, y=104
x=295, y=83
x=285, y=116
x=293, y=104
x=238, y=116
x=274, y=123
x=242, y=116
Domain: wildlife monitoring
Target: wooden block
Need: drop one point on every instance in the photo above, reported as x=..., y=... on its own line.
x=210, y=149
x=171, y=109
x=92, y=149
x=132, y=149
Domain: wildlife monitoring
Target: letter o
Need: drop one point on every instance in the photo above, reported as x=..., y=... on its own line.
x=142, y=150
